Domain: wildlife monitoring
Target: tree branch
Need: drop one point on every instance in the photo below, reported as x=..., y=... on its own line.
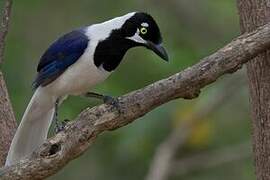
x=79, y=135
x=7, y=119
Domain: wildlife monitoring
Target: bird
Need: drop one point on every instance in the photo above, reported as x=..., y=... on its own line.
x=75, y=63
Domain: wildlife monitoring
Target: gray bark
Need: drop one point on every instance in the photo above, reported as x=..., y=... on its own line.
x=254, y=13
x=7, y=119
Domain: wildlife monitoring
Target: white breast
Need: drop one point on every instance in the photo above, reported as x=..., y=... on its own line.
x=79, y=77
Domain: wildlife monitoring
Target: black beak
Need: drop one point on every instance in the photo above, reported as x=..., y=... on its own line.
x=159, y=50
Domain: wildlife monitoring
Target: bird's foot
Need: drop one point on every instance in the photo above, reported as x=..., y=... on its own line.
x=106, y=99
x=60, y=125
x=110, y=100
x=58, y=128
x=113, y=102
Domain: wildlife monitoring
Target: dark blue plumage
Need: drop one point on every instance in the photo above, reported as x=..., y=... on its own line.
x=60, y=55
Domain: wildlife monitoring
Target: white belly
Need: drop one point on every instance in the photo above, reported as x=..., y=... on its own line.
x=78, y=78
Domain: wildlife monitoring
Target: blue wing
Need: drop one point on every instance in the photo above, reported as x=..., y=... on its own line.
x=59, y=56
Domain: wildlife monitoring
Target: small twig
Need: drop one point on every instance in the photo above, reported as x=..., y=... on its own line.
x=211, y=159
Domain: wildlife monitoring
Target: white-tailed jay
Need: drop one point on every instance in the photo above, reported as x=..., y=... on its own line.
x=73, y=64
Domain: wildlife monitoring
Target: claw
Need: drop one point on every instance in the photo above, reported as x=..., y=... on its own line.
x=60, y=126
x=113, y=102
x=106, y=99
x=64, y=123
x=110, y=100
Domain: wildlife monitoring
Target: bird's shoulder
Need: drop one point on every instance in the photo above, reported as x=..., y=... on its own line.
x=70, y=45
x=64, y=52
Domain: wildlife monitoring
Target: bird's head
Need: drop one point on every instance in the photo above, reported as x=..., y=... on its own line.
x=118, y=35
x=142, y=30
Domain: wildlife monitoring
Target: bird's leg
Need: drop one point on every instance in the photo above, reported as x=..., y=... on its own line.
x=64, y=122
x=58, y=125
x=106, y=99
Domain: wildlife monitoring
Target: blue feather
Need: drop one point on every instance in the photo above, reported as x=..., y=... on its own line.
x=60, y=55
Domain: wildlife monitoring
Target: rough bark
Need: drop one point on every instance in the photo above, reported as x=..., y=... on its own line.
x=254, y=13
x=56, y=152
x=7, y=118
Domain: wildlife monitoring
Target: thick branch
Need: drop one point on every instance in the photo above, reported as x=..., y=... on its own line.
x=7, y=118
x=79, y=135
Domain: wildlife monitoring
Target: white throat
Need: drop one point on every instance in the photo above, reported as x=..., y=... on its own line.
x=103, y=30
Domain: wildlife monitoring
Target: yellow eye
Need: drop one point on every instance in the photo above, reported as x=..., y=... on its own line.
x=143, y=30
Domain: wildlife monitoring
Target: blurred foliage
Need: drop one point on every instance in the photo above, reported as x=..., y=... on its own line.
x=201, y=127
x=191, y=30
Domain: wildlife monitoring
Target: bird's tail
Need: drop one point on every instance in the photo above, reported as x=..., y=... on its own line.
x=34, y=126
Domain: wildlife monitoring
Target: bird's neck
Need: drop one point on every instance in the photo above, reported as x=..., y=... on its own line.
x=110, y=52
x=112, y=45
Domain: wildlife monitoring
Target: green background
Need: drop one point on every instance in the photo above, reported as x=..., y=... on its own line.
x=192, y=29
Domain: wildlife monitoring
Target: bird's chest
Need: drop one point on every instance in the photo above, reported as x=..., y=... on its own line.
x=80, y=77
